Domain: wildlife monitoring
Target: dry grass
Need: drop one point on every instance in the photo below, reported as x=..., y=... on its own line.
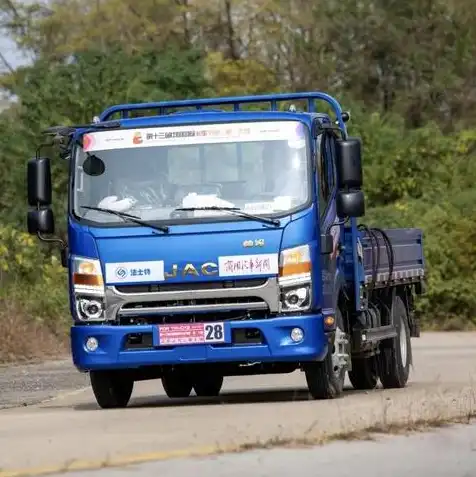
x=369, y=433
x=24, y=340
x=451, y=323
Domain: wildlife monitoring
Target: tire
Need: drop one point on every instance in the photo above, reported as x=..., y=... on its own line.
x=177, y=384
x=325, y=379
x=112, y=389
x=208, y=385
x=364, y=373
x=395, y=358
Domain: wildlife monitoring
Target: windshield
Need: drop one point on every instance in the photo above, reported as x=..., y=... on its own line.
x=261, y=168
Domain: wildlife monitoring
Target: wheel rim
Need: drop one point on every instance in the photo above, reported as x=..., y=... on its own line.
x=339, y=353
x=403, y=344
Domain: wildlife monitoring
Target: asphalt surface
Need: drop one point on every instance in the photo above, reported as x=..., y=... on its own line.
x=71, y=432
x=445, y=453
x=35, y=383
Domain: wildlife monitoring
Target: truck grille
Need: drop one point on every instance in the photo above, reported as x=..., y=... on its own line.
x=191, y=287
x=242, y=296
x=193, y=305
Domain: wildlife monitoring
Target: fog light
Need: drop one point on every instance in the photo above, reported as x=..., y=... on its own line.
x=92, y=344
x=297, y=335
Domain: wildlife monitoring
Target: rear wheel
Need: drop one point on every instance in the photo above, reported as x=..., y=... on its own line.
x=208, y=385
x=325, y=379
x=395, y=355
x=177, y=383
x=112, y=389
x=364, y=373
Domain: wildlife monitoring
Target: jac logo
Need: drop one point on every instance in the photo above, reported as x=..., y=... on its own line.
x=189, y=269
x=121, y=272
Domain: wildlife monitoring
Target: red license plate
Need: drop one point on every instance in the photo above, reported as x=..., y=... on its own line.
x=191, y=333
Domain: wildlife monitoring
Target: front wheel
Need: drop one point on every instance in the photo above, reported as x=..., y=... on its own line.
x=395, y=357
x=112, y=389
x=208, y=385
x=177, y=383
x=325, y=379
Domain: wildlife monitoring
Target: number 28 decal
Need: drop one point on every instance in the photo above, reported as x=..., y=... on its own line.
x=214, y=332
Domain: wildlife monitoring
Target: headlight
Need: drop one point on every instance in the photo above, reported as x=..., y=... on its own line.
x=88, y=289
x=295, y=265
x=87, y=276
x=295, y=279
x=296, y=298
x=89, y=309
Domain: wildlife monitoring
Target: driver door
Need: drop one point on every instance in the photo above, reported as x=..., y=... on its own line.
x=327, y=185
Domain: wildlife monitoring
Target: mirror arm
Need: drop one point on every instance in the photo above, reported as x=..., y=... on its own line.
x=59, y=241
x=63, y=247
x=44, y=144
x=335, y=224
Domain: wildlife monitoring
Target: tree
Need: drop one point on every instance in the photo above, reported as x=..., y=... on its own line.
x=73, y=92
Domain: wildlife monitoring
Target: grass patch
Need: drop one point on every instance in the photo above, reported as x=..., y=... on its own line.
x=452, y=323
x=25, y=340
x=369, y=433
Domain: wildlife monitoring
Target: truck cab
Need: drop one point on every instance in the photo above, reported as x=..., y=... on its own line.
x=205, y=243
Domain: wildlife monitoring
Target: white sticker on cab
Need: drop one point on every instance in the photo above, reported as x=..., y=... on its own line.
x=127, y=272
x=259, y=264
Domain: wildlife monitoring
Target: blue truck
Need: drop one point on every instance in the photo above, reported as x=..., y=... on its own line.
x=208, y=239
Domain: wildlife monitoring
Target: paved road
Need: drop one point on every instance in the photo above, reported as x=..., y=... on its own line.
x=34, y=383
x=445, y=453
x=72, y=431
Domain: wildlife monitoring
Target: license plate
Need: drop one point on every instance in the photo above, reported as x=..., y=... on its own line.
x=191, y=333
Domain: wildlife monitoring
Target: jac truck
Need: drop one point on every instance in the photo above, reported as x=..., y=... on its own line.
x=207, y=238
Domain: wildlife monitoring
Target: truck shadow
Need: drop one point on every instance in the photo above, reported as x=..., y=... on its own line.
x=225, y=398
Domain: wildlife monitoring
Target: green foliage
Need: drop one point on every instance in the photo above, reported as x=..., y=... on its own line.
x=400, y=163
x=31, y=279
x=73, y=92
x=425, y=179
x=448, y=224
x=68, y=92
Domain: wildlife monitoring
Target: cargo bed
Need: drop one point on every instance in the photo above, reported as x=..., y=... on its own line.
x=408, y=260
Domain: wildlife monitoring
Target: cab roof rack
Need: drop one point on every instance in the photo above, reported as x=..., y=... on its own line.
x=163, y=107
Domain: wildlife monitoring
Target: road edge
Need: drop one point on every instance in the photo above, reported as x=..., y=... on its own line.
x=369, y=433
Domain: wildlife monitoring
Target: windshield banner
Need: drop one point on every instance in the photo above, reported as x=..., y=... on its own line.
x=293, y=131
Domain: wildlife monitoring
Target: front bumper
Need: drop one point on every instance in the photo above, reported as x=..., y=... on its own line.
x=276, y=345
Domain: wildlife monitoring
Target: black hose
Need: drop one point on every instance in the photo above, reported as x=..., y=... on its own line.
x=372, y=234
x=390, y=253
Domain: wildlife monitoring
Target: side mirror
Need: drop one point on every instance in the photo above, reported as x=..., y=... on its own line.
x=350, y=204
x=39, y=182
x=349, y=163
x=41, y=221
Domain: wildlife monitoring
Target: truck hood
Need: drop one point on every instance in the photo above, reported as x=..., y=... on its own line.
x=130, y=257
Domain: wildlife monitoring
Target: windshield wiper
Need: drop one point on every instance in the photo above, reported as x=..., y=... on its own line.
x=234, y=210
x=131, y=218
